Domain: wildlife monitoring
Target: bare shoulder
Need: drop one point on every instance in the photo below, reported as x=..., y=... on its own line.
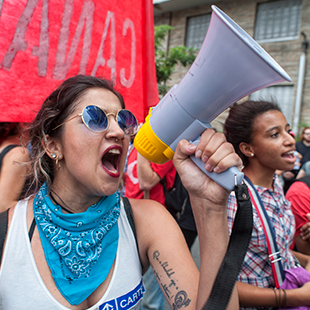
x=19, y=153
x=149, y=213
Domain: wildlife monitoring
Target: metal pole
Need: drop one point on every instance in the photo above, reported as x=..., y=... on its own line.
x=300, y=83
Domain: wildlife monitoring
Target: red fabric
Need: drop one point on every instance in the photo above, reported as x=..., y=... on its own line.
x=132, y=189
x=150, y=92
x=44, y=42
x=299, y=196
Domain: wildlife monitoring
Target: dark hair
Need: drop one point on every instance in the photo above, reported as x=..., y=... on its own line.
x=239, y=125
x=8, y=129
x=56, y=109
x=302, y=133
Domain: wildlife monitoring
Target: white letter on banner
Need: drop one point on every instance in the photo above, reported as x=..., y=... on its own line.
x=41, y=51
x=18, y=43
x=87, y=15
x=100, y=61
x=127, y=83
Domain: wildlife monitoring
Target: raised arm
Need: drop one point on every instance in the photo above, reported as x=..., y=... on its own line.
x=164, y=246
x=208, y=201
x=148, y=178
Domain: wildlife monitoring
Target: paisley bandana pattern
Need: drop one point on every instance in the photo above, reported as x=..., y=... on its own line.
x=79, y=248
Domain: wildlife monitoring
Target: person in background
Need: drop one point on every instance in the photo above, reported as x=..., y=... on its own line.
x=142, y=181
x=13, y=171
x=304, y=170
x=71, y=244
x=303, y=146
x=261, y=136
x=299, y=196
x=288, y=177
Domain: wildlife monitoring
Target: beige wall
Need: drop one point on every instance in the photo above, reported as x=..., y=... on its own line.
x=286, y=53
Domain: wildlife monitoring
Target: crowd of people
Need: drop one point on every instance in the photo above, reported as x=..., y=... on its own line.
x=74, y=240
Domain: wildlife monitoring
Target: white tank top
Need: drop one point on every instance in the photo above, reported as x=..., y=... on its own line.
x=21, y=286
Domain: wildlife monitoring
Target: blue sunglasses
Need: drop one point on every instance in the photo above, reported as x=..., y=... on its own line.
x=97, y=120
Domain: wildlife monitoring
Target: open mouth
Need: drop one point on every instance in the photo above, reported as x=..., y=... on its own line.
x=289, y=155
x=110, y=160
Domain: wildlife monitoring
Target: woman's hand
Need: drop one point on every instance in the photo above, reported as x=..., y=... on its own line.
x=217, y=154
x=305, y=230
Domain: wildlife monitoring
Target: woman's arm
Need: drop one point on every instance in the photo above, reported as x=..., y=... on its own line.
x=12, y=177
x=148, y=178
x=253, y=296
x=164, y=246
x=165, y=249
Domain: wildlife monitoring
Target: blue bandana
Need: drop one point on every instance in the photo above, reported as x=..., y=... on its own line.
x=79, y=248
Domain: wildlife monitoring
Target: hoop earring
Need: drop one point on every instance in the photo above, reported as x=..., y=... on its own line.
x=58, y=165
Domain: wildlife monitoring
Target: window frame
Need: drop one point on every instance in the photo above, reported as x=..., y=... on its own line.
x=286, y=107
x=187, y=27
x=277, y=39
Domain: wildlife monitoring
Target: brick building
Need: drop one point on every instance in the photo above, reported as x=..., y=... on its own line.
x=282, y=28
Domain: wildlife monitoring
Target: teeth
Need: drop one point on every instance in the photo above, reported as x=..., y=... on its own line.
x=114, y=151
x=289, y=153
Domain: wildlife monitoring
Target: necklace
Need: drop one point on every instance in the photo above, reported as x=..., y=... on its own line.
x=54, y=201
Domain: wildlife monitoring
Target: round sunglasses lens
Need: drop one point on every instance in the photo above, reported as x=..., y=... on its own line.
x=127, y=121
x=95, y=119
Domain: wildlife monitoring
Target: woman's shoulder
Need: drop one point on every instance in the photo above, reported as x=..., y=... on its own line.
x=15, y=151
x=152, y=218
x=144, y=208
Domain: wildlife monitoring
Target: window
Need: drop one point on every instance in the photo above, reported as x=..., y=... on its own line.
x=282, y=95
x=277, y=21
x=196, y=30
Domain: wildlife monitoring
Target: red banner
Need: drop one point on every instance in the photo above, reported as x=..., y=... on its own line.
x=43, y=42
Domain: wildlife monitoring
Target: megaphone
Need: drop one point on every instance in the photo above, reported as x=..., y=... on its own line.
x=229, y=66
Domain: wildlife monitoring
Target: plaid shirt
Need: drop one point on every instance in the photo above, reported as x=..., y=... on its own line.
x=256, y=268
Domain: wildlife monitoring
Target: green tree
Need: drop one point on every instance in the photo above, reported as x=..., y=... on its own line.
x=166, y=61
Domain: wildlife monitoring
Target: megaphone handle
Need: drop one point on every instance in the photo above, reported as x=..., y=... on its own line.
x=228, y=179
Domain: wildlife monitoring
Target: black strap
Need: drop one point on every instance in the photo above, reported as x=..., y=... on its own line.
x=31, y=229
x=129, y=214
x=237, y=248
x=3, y=229
x=6, y=150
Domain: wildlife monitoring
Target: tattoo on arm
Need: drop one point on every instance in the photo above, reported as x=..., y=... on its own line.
x=170, y=288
